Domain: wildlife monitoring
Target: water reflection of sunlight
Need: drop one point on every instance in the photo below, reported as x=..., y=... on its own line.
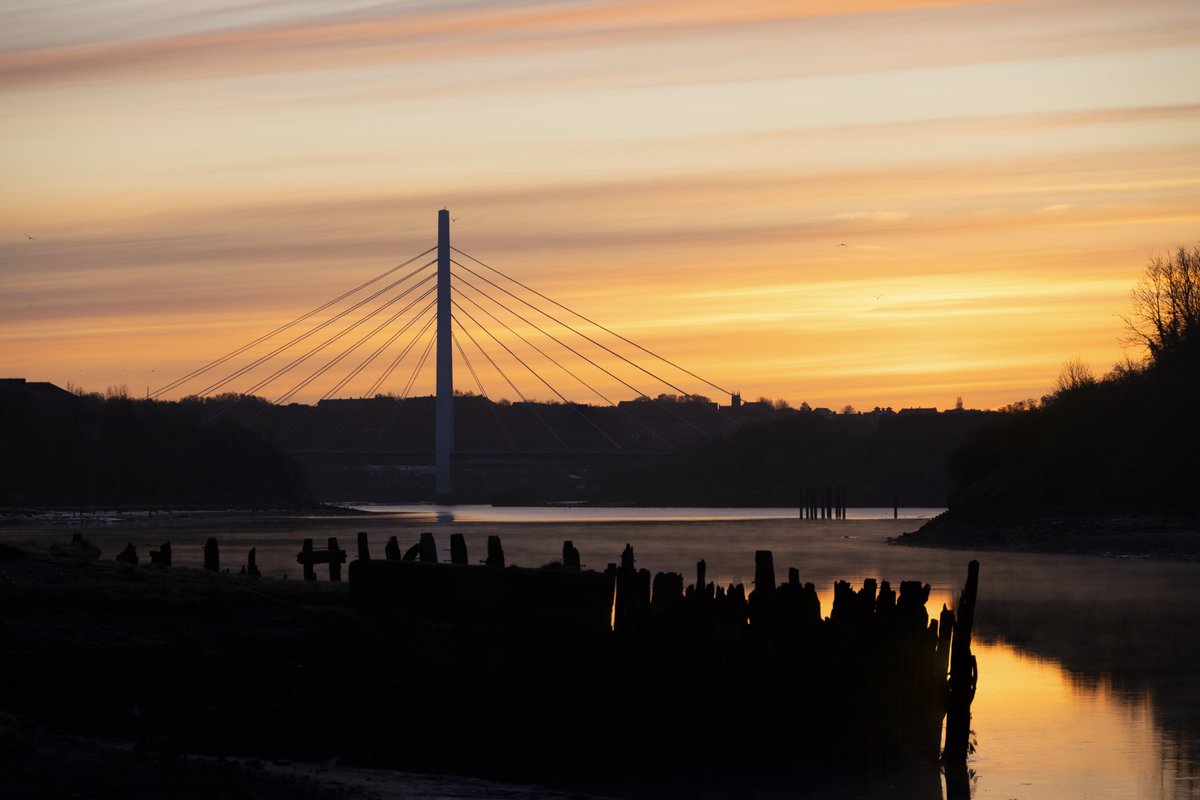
x=1043, y=735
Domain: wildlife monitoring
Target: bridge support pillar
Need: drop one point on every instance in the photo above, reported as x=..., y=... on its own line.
x=444, y=433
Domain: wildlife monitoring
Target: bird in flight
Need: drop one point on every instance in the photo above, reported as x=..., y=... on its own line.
x=27, y=236
x=843, y=244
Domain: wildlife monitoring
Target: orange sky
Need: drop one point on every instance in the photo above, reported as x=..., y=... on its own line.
x=194, y=175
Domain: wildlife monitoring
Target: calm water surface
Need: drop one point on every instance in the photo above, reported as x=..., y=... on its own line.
x=1089, y=667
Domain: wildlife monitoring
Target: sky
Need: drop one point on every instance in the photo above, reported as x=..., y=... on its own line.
x=868, y=202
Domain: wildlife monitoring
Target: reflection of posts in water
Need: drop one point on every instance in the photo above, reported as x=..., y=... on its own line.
x=963, y=675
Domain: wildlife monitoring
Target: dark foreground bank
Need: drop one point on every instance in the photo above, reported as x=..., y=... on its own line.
x=1154, y=536
x=172, y=662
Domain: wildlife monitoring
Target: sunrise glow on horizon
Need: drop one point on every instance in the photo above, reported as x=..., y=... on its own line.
x=865, y=202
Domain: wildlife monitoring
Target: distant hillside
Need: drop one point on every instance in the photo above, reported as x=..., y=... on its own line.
x=63, y=449
x=877, y=458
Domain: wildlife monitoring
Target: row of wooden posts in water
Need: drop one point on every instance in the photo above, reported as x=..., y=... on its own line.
x=654, y=611
x=425, y=550
x=823, y=502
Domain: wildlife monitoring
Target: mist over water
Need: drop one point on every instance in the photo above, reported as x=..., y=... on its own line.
x=1089, y=667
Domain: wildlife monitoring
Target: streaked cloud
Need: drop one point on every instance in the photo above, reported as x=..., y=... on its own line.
x=687, y=173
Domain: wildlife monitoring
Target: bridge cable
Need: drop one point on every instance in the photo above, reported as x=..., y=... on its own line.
x=508, y=380
x=404, y=396
x=682, y=392
x=573, y=330
x=483, y=392
x=573, y=406
x=337, y=359
x=301, y=359
x=554, y=338
x=217, y=362
x=345, y=421
x=318, y=348
x=258, y=362
x=354, y=372
x=593, y=322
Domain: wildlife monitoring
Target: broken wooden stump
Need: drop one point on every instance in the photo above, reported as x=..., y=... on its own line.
x=391, y=550
x=495, y=553
x=964, y=674
x=212, y=561
x=128, y=555
x=458, y=549
x=570, y=557
x=363, y=553
x=251, y=564
x=428, y=548
x=161, y=556
x=333, y=555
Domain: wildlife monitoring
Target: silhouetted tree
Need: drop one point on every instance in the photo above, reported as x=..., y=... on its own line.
x=1075, y=374
x=1166, y=303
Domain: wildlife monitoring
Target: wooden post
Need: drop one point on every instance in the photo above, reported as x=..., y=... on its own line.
x=310, y=574
x=963, y=674
x=570, y=556
x=764, y=571
x=363, y=553
x=251, y=565
x=495, y=556
x=212, y=560
x=335, y=563
x=391, y=550
x=895, y=506
x=458, y=549
x=162, y=555
x=428, y=548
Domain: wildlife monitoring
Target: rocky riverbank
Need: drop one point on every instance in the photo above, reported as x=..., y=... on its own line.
x=1145, y=536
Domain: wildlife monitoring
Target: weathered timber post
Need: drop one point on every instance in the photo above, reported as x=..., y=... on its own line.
x=128, y=555
x=495, y=556
x=336, y=557
x=391, y=551
x=364, y=554
x=963, y=674
x=764, y=571
x=162, y=555
x=212, y=560
x=458, y=549
x=251, y=564
x=306, y=559
x=570, y=556
x=428, y=548
x=701, y=569
x=895, y=506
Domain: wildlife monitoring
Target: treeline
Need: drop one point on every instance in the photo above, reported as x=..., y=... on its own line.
x=878, y=459
x=1128, y=442
x=79, y=450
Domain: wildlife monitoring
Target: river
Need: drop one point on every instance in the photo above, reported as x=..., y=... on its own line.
x=1089, y=667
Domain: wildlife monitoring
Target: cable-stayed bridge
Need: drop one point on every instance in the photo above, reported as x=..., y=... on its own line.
x=444, y=309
